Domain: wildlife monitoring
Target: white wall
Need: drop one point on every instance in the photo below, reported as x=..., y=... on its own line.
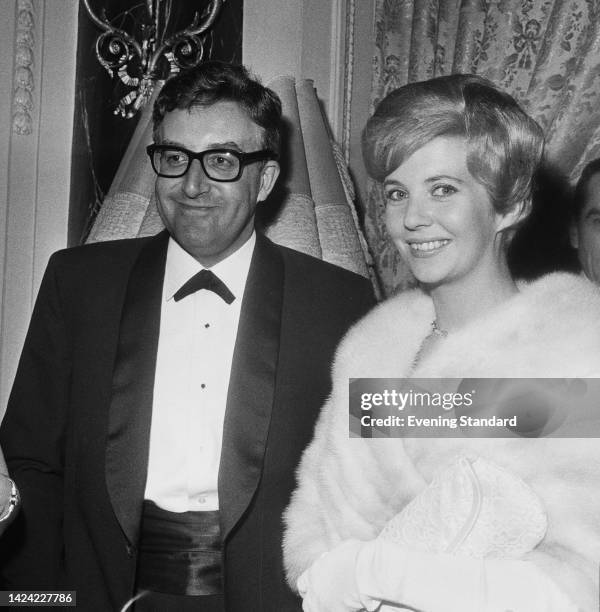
x=39, y=36
x=303, y=39
x=307, y=39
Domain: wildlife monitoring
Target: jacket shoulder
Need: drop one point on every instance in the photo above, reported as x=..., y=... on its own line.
x=98, y=254
x=101, y=250
x=313, y=265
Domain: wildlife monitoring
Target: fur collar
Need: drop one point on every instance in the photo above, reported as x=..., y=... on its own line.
x=549, y=329
x=350, y=487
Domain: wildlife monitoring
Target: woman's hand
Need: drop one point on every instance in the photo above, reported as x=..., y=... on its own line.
x=329, y=584
x=361, y=575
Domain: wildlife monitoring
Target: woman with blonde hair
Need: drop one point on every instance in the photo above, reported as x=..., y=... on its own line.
x=457, y=524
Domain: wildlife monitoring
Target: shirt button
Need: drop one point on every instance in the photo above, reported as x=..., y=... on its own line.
x=201, y=500
x=203, y=385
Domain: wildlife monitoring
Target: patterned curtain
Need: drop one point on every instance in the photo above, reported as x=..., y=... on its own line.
x=546, y=53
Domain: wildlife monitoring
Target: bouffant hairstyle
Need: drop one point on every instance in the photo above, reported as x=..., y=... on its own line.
x=505, y=145
x=214, y=81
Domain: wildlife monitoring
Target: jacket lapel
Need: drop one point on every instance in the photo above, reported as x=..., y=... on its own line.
x=251, y=384
x=133, y=384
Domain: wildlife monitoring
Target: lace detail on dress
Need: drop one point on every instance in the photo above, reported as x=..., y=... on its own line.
x=472, y=508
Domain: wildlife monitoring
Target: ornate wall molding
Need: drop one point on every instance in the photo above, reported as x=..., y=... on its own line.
x=38, y=49
x=23, y=85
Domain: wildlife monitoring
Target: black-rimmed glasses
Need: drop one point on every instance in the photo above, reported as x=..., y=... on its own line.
x=223, y=165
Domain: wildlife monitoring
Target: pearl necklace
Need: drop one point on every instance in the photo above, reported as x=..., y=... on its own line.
x=436, y=332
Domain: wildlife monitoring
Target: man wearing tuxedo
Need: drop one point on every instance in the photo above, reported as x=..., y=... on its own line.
x=168, y=385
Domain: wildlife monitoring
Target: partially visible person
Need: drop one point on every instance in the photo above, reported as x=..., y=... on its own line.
x=541, y=244
x=9, y=497
x=585, y=224
x=463, y=524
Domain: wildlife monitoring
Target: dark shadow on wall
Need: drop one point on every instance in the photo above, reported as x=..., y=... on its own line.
x=541, y=244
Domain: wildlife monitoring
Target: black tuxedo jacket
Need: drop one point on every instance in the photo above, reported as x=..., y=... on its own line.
x=76, y=431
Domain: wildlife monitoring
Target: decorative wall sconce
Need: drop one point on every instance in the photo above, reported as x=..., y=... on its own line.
x=140, y=64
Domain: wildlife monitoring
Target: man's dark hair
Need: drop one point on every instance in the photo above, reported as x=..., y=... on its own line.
x=590, y=170
x=214, y=81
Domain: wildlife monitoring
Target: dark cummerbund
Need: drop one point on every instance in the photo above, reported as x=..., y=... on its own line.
x=180, y=552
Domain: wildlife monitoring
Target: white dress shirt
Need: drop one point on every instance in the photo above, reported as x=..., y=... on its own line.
x=193, y=365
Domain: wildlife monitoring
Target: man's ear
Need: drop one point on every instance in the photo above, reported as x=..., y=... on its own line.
x=513, y=217
x=574, y=235
x=268, y=178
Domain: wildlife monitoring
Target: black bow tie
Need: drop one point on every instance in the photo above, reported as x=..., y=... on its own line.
x=205, y=279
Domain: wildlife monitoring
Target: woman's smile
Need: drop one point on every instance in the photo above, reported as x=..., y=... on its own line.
x=428, y=247
x=440, y=217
